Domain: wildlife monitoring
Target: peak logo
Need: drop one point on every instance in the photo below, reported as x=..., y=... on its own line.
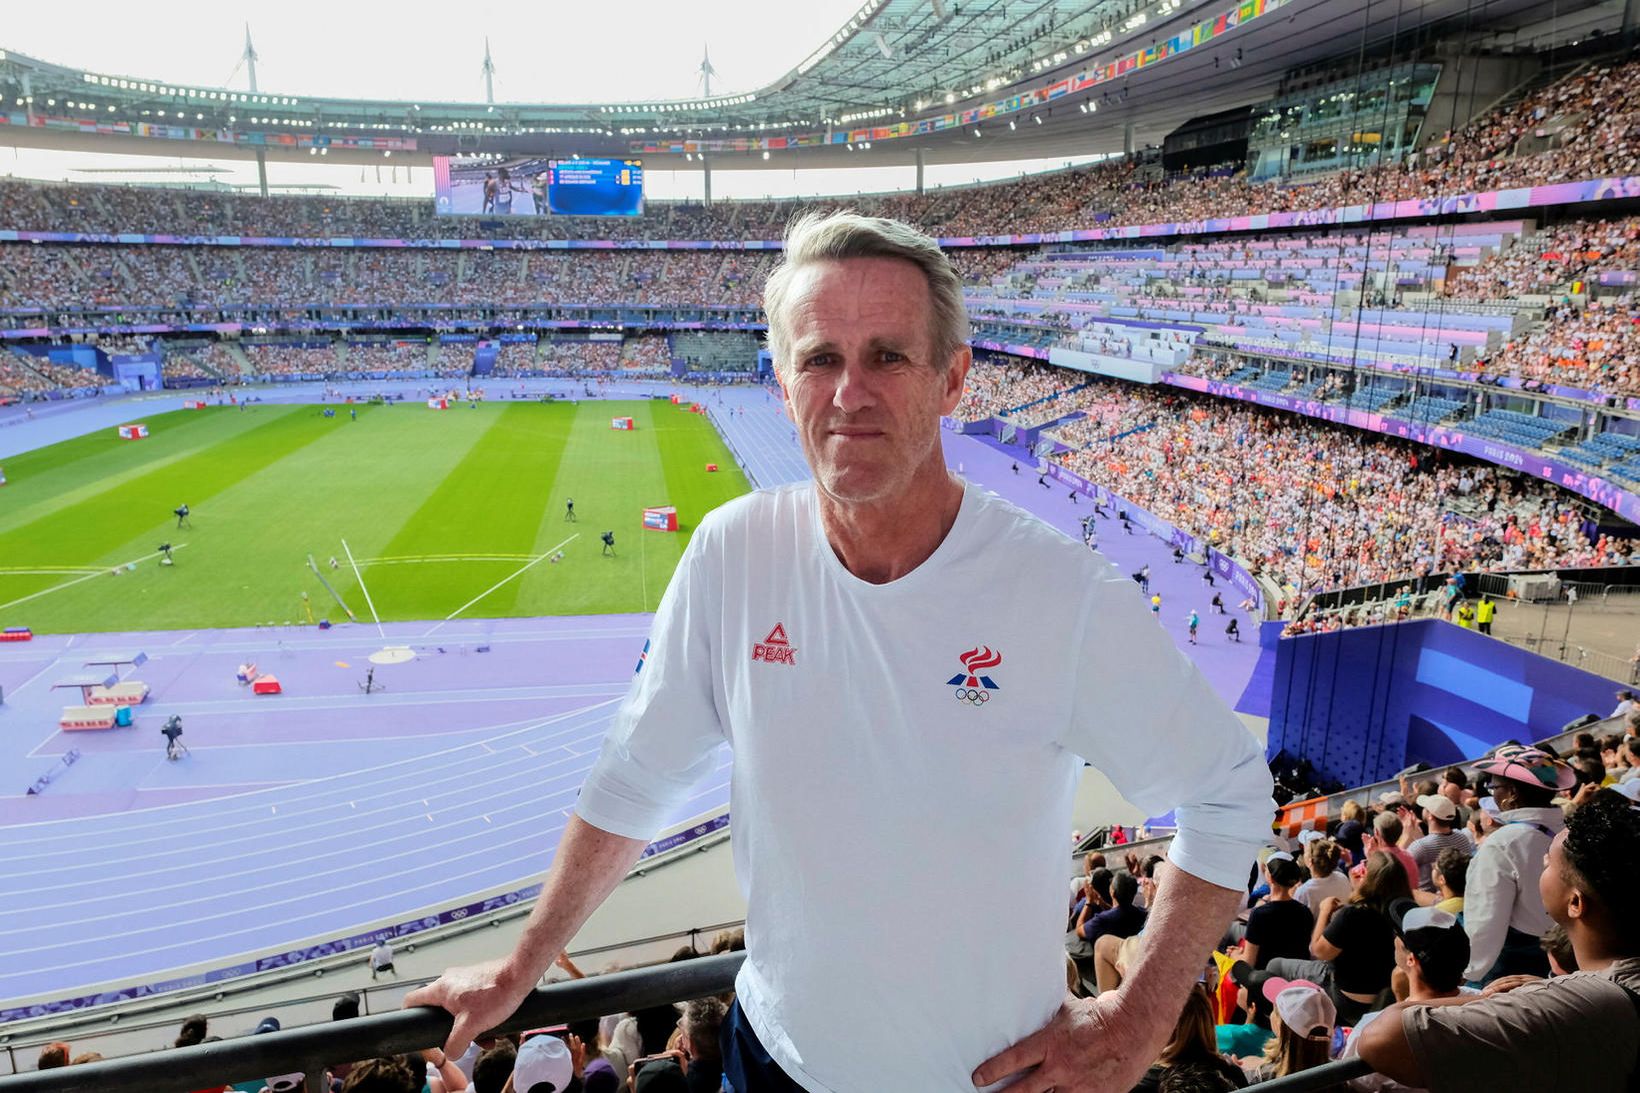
x=973, y=686
x=776, y=648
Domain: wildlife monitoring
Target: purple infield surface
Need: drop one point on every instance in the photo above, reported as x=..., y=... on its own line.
x=298, y=824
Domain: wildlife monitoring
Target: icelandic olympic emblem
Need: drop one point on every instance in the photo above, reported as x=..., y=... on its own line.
x=972, y=686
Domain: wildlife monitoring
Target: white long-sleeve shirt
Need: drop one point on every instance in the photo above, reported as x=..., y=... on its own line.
x=1501, y=889
x=906, y=756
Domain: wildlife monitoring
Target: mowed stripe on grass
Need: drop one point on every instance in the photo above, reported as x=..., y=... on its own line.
x=262, y=500
x=428, y=488
x=490, y=503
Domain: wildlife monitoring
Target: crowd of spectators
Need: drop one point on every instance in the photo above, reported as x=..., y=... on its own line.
x=1311, y=504
x=278, y=359
x=669, y=1048
x=1577, y=128
x=1543, y=264
x=1594, y=347
x=995, y=388
x=647, y=354
x=1459, y=905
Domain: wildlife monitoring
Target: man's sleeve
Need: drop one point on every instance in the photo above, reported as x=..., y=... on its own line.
x=665, y=734
x=1144, y=715
x=1489, y=895
x=1484, y=1044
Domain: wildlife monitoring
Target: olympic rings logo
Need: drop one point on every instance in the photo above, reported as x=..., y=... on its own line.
x=974, y=696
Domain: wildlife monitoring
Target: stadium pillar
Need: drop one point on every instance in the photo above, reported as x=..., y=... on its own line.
x=262, y=172
x=920, y=165
x=1631, y=14
x=706, y=176
x=1127, y=138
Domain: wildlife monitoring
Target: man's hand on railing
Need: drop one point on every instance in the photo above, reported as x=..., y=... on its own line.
x=479, y=997
x=1091, y=1044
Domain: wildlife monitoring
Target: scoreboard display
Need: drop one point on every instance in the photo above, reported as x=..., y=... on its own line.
x=595, y=187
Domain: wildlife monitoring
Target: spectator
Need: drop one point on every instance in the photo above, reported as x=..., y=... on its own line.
x=1193, y=1045
x=1450, y=874
x=1437, y=816
x=1281, y=925
x=1454, y=784
x=1431, y=951
x=1124, y=919
x=1352, y=829
x=193, y=1031
x=1303, y=1023
x=382, y=1075
x=381, y=959
x=1385, y=835
x=52, y=1056
x=544, y=1065
x=1590, y=886
x=1503, y=909
x=702, y=1022
x=494, y=1068
x=89, y=1057
x=1326, y=878
x=1353, y=946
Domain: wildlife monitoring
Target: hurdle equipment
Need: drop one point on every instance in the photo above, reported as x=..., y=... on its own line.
x=438, y=404
x=86, y=683
x=69, y=758
x=193, y=404
x=137, y=431
x=661, y=518
x=623, y=424
x=131, y=692
x=711, y=468
x=266, y=685
x=86, y=718
x=16, y=633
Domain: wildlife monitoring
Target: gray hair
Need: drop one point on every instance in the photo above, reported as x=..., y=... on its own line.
x=824, y=237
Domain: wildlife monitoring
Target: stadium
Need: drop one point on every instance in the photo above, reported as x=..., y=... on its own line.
x=355, y=537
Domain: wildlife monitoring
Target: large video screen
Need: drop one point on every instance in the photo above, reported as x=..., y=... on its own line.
x=596, y=187
x=537, y=187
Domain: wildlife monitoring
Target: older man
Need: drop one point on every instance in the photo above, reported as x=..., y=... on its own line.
x=896, y=656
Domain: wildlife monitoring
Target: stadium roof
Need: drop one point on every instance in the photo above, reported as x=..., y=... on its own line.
x=951, y=80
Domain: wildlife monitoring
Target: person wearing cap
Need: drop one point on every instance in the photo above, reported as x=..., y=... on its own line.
x=1302, y=1018
x=1502, y=910
x=1280, y=925
x=1576, y=1031
x=543, y=1065
x=1437, y=817
x=893, y=708
x=1431, y=950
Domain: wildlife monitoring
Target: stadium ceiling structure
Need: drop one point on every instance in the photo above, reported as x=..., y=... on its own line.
x=933, y=81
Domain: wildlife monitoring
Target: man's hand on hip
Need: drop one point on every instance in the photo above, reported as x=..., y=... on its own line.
x=1091, y=1044
x=479, y=997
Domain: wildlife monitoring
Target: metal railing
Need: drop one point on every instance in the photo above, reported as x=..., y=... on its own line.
x=310, y=1050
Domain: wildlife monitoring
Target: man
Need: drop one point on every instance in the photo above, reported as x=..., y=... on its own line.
x=1625, y=703
x=1431, y=950
x=1502, y=909
x=1432, y=833
x=1385, y=835
x=1123, y=920
x=182, y=511
x=569, y=510
x=381, y=960
x=850, y=982
x=1575, y=1031
x=1484, y=614
x=609, y=543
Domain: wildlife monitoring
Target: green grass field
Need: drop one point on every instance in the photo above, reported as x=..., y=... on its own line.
x=436, y=506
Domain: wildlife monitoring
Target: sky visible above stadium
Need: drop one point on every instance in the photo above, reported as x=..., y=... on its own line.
x=433, y=49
